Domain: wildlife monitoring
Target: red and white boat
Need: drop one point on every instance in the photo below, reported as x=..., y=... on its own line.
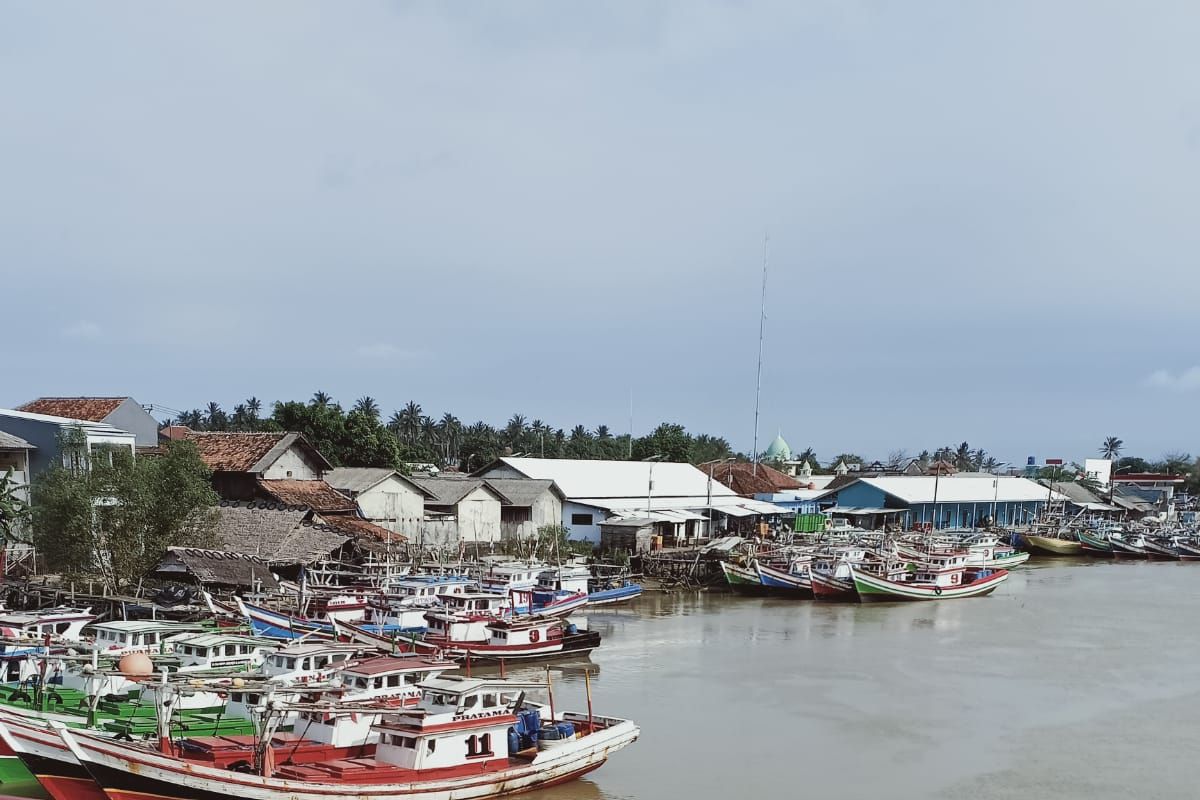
x=468, y=739
x=940, y=577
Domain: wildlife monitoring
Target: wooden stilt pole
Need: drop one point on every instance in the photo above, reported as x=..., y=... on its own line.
x=587, y=683
x=550, y=691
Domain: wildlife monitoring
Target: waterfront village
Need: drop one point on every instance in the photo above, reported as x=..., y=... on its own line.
x=182, y=606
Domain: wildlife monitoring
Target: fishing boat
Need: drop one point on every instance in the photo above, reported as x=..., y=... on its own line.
x=742, y=580
x=1096, y=543
x=795, y=581
x=604, y=590
x=1126, y=544
x=137, y=636
x=1060, y=543
x=1188, y=547
x=1161, y=548
x=511, y=639
x=62, y=624
x=942, y=577
x=468, y=739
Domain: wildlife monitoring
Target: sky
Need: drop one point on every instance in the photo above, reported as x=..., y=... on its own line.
x=981, y=217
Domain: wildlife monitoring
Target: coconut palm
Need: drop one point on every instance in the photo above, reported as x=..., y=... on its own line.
x=514, y=429
x=451, y=432
x=215, y=418
x=603, y=433
x=253, y=407
x=321, y=399
x=410, y=422
x=429, y=433
x=1111, y=449
x=367, y=406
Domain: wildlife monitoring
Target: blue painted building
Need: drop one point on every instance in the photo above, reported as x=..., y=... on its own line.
x=952, y=501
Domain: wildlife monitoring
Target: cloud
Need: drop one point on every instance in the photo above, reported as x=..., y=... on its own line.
x=82, y=330
x=1183, y=381
x=384, y=351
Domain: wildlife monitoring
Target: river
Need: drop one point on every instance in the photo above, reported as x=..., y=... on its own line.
x=1074, y=680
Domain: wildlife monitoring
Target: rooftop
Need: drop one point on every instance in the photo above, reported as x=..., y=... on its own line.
x=228, y=451
x=219, y=567
x=277, y=534
x=448, y=491
x=385, y=664
x=94, y=409
x=10, y=442
x=523, y=492
x=99, y=428
x=597, y=479
x=317, y=495
x=957, y=488
x=744, y=479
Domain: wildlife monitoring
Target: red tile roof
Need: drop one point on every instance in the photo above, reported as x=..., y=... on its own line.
x=174, y=432
x=232, y=452
x=317, y=495
x=740, y=476
x=93, y=409
x=350, y=525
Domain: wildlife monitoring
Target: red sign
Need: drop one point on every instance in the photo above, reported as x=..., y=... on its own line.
x=1054, y=462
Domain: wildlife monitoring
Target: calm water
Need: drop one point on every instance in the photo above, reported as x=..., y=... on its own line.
x=1075, y=680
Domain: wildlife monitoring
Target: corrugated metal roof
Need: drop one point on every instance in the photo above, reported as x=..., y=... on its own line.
x=613, y=479
x=959, y=489
x=357, y=479
x=522, y=492
x=95, y=427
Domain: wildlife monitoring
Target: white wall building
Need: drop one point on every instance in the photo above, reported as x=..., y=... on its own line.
x=384, y=496
x=679, y=498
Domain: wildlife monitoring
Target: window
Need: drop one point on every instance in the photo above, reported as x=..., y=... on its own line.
x=490, y=701
x=230, y=649
x=469, y=702
x=516, y=514
x=393, y=680
x=581, y=519
x=151, y=638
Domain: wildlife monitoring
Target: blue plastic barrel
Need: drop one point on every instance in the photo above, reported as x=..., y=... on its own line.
x=514, y=741
x=566, y=730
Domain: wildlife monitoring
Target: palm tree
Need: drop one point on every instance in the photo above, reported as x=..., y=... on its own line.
x=253, y=406
x=395, y=423
x=240, y=417
x=410, y=421
x=429, y=433
x=514, y=429
x=603, y=433
x=451, y=430
x=1111, y=449
x=215, y=418
x=321, y=399
x=193, y=419
x=962, y=457
x=367, y=406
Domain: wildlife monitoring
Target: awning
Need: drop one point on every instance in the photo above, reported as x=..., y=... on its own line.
x=851, y=511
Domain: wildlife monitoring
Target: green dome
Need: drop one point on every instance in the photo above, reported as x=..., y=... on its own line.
x=779, y=450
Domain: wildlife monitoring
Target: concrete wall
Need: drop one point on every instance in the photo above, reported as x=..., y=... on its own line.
x=479, y=517
x=44, y=436
x=129, y=416
x=589, y=533
x=293, y=461
x=546, y=510
x=392, y=504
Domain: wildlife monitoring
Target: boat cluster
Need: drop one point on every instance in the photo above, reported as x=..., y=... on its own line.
x=867, y=566
x=1115, y=540
x=349, y=699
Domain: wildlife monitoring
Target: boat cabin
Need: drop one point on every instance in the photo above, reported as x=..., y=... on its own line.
x=508, y=576
x=222, y=651
x=63, y=624
x=426, y=589
x=458, y=721
x=571, y=578
x=305, y=662
x=390, y=681
x=138, y=636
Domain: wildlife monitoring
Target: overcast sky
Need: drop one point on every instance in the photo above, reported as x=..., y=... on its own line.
x=982, y=216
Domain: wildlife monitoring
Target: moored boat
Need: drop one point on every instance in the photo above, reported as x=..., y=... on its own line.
x=942, y=578
x=467, y=740
x=742, y=580
x=793, y=581
x=1062, y=545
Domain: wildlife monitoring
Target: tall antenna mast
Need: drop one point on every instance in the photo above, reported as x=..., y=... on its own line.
x=762, y=319
x=630, y=455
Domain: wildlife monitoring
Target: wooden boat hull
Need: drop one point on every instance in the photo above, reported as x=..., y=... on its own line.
x=1161, y=552
x=872, y=588
x=828, y=589
x=1094, y=545
x=778, y=581
x=621, y=594
x=1052, y=546
x=43, y=756
x=131, y=773
x=742, y=580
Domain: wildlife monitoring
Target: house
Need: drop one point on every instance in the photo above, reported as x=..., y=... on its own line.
x=239, y=461
x=680, y=498
x=950, y=501
x=530, y=504
x=124, y=413
x=284, y=537
x=216, y=569
x=462, y=508
x=315, y=494
x=64, y=441
x=384, y=496
x=14, y=455
x=1079, y=498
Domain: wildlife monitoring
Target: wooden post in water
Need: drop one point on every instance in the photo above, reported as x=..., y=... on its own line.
x=550, y=691
x=587, y=684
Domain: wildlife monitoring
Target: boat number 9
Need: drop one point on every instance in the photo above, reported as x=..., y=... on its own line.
x=534, y=636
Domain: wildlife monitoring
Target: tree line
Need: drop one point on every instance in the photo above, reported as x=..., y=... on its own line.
x=360, y=436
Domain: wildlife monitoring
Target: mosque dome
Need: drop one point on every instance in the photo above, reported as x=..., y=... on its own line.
x=778, y=450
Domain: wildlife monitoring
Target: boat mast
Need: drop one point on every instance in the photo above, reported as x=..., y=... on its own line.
x=762, y=319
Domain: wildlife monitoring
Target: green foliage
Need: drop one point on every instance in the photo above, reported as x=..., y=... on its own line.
x=14, y=511
x=669, y=440
x=117, y=517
